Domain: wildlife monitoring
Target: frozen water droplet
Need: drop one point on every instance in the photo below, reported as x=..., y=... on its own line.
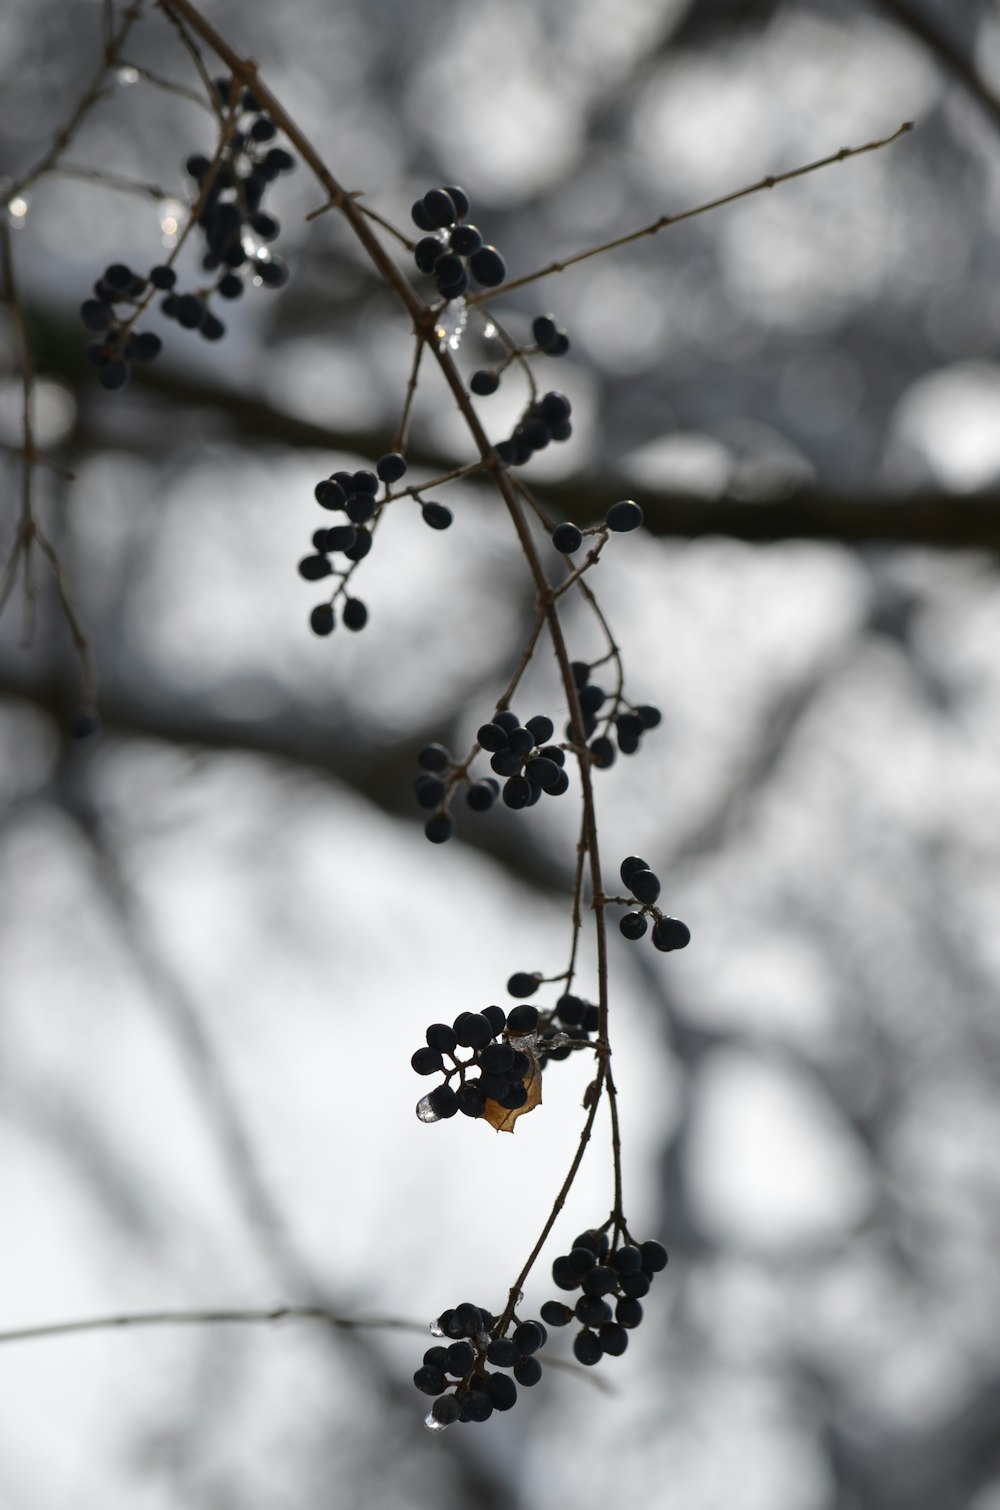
x=451, y=324
x=434, y=1425
x=435, y=1330
x=17, y=209
x=426, y=1110
x=127, y=75
x=489, y=330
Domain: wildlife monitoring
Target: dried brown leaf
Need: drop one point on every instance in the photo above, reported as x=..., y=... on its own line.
x=504, y=1117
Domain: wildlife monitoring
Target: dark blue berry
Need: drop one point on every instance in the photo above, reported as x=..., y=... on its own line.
x=633, y=925
x=162, y=276
x=427, y=1061
x=95, y=315
x=488, y=267
x=645, y=887
x=517, y=792
x=671, y=933
x=649, y=715
x=391, y=467
x=567, y=538
x=459, y=199
x=443, y=1099
x=603, y=752
x=427, y=252
x=354, y=614
x=613, y=1338
x=623, y=516
x=429, y=790
x=144, y=346
x=465, y=239
x=492, y=737
x=587, y=1348
x=523, y=1019
x=484, y=382
x=436, y=515
x=439, y=207
x=528, y=1372
x=524, y=983
x=273, y=274
x=429, y=1380
x=321, y=620
x=439, y=828
x=480, y=796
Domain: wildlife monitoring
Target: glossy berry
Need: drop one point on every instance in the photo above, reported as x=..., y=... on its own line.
x=629, y=866
x=603, y=752
x=645, y=887
x=436, y=515
x=671, y=933
x=587, y=1348
x=465, y=239
x=528, y=1371
x=439, y=208
x=556, y=1314
x=623, y=516
x=654, y=1257
x=523, y=983
x=439, y=828
x=427, y=1060
x=613, y=1339
x=434, y=758
x=162, y=276
x=484, y=382
x=566, y=539
x=628, y=1313
x=488, y=267
x=529, y=1337
x=523, y=1019
x=459, y=199
x=391, y=467
x=633, y=925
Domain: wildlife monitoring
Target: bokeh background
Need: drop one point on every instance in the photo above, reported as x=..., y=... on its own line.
x=221, y=930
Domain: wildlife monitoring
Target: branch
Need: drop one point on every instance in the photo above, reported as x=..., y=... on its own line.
x=210, y=1318
x=952, y=60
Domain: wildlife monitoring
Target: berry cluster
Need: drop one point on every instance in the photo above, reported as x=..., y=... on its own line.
x=520, y=753
x=232, y=219
x=233, y=224
x=501, y=1049
x=623, y=1276
x=116, y=301
x=567, y=1026
x=629, y=723
x=454, y=251
x=668, y=933
x=550, y=338
x=478, y=1391
x=545, y=420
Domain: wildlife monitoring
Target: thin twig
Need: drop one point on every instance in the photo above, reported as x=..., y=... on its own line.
x=770, y=182
x=272, y=1314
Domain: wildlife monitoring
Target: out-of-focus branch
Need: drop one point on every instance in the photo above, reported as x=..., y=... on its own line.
x=947, y=52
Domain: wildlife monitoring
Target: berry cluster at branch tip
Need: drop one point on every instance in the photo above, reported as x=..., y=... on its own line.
x=603, y=1274
x=453, y=251
x=457, y=1369
x=501, y=1057
x=628, y=722
x=521, y=754
x=668, y=933
x=230, y=192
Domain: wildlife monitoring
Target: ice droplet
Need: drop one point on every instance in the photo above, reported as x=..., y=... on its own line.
x=434, y=1425
x=426, y=1111
x=127, y=75
x=489, y=330
x=17, y=209
x=435, y=1330
x=451, y=324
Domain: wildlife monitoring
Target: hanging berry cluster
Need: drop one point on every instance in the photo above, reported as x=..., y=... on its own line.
x=228, y=210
